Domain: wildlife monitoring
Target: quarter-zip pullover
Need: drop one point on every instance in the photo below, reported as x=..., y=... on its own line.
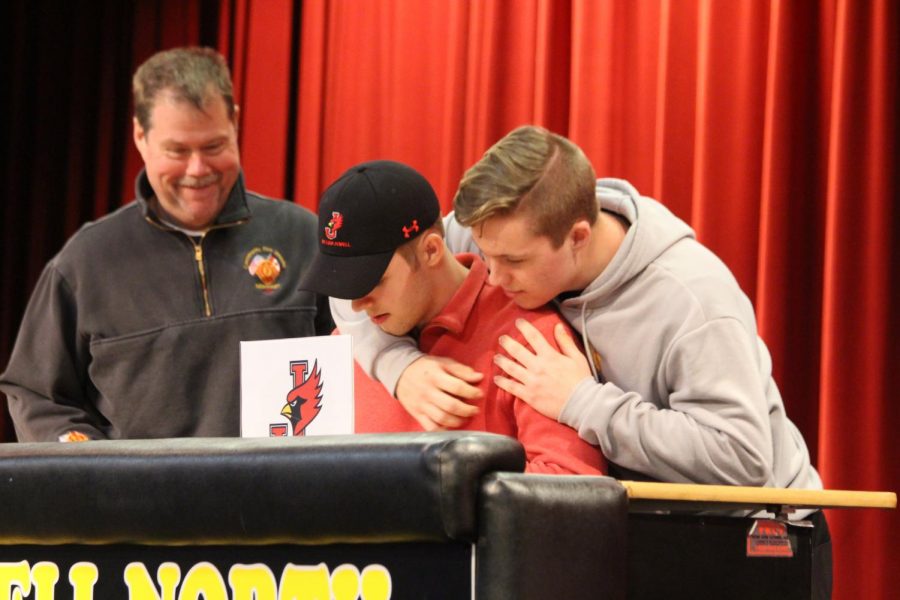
x=133, y=329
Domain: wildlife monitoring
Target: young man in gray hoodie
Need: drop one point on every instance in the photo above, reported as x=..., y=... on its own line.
x=678, y=385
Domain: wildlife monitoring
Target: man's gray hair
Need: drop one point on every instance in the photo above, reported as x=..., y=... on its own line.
x=187, y=73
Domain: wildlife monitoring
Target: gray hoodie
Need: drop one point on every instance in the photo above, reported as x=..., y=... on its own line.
x=683, y=391
x=686, y=392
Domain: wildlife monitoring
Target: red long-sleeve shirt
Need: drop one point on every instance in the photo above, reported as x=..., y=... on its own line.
x=467, y=330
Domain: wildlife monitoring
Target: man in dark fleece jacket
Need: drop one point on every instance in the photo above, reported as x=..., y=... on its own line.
x=133, y=329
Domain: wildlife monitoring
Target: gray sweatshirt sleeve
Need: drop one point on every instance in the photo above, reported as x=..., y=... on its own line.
x=458, y=237
x=46, y=380
x=383, y=356
x=715, y=428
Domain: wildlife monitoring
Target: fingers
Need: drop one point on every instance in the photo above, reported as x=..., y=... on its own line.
x=452, y=414
x=565, y=341
x=441, y=412
x=455, y=381
x=457, y=388
x=511, y=367
x=516, y=350
x=534, y=337
x=464, y=372
x=435, y=392
x=450, y=407
x=522, y=354
x=513, y=387
x=428, y=424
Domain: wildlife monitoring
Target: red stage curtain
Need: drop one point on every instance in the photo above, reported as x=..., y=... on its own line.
x=860, y=352
x=770, y=126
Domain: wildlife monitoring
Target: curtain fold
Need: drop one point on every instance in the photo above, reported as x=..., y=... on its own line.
x=261, y=59
x=860, y=350
x=789, y=265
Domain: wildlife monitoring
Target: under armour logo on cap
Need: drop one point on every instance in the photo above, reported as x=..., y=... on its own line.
x=410, y=229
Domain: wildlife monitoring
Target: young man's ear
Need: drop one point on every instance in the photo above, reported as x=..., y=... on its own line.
x=235, y=119
x=580, y=234
x=431, y=249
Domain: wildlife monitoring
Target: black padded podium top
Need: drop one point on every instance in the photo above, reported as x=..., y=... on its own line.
x=315, y=490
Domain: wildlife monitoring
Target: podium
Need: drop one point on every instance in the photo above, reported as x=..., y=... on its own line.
x=427, y=515
x=447, y=515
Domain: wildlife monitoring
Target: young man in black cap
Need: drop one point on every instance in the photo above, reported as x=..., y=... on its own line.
x=381, y=245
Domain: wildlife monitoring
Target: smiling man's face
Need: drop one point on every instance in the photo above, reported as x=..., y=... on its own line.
x=191, y=158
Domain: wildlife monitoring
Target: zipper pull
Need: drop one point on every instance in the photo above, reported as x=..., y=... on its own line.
x=198, y=256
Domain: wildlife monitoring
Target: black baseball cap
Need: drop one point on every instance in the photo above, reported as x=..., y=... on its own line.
x=371, y=210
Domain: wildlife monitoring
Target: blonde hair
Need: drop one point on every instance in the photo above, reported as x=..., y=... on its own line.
x=535, y=171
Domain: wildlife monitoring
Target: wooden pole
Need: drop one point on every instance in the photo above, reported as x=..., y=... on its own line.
x=731, y=495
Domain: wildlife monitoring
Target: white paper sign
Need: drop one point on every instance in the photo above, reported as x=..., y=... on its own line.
x=297, y=386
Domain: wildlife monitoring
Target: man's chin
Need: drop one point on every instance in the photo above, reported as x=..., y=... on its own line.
x=393, y=330
x=210, y=194
x=197, y=213
x=522, y=299
x=528, y=302
x=199, y=220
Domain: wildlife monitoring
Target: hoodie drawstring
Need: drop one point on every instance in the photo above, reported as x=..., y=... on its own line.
x=588, y=349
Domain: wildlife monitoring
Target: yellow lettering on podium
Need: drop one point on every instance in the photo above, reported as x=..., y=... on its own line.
x=345, y=582
x=252, y=582
x=15, y=580
x=140, y=586
x=302, y=582
x=246, y=582
x=376, y=583
x=44, y=576
x=203, y=579
x=83, y=576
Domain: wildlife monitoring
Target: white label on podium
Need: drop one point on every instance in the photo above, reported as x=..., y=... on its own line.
x=297, y=386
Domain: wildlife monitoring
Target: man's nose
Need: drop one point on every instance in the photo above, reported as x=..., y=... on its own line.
x=197, y=166
x=360, y=304
x=495, y=273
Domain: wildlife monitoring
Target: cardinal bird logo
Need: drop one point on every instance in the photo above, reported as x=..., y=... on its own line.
x=336, y=222
x=304, y=401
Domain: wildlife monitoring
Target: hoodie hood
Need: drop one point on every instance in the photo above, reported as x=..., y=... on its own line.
x=653, y=229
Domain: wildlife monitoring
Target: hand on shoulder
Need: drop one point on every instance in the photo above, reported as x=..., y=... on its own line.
x=435, y=390
x=538, y=373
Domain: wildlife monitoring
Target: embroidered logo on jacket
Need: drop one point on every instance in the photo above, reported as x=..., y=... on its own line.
x=303, y=402
x=266, y=265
